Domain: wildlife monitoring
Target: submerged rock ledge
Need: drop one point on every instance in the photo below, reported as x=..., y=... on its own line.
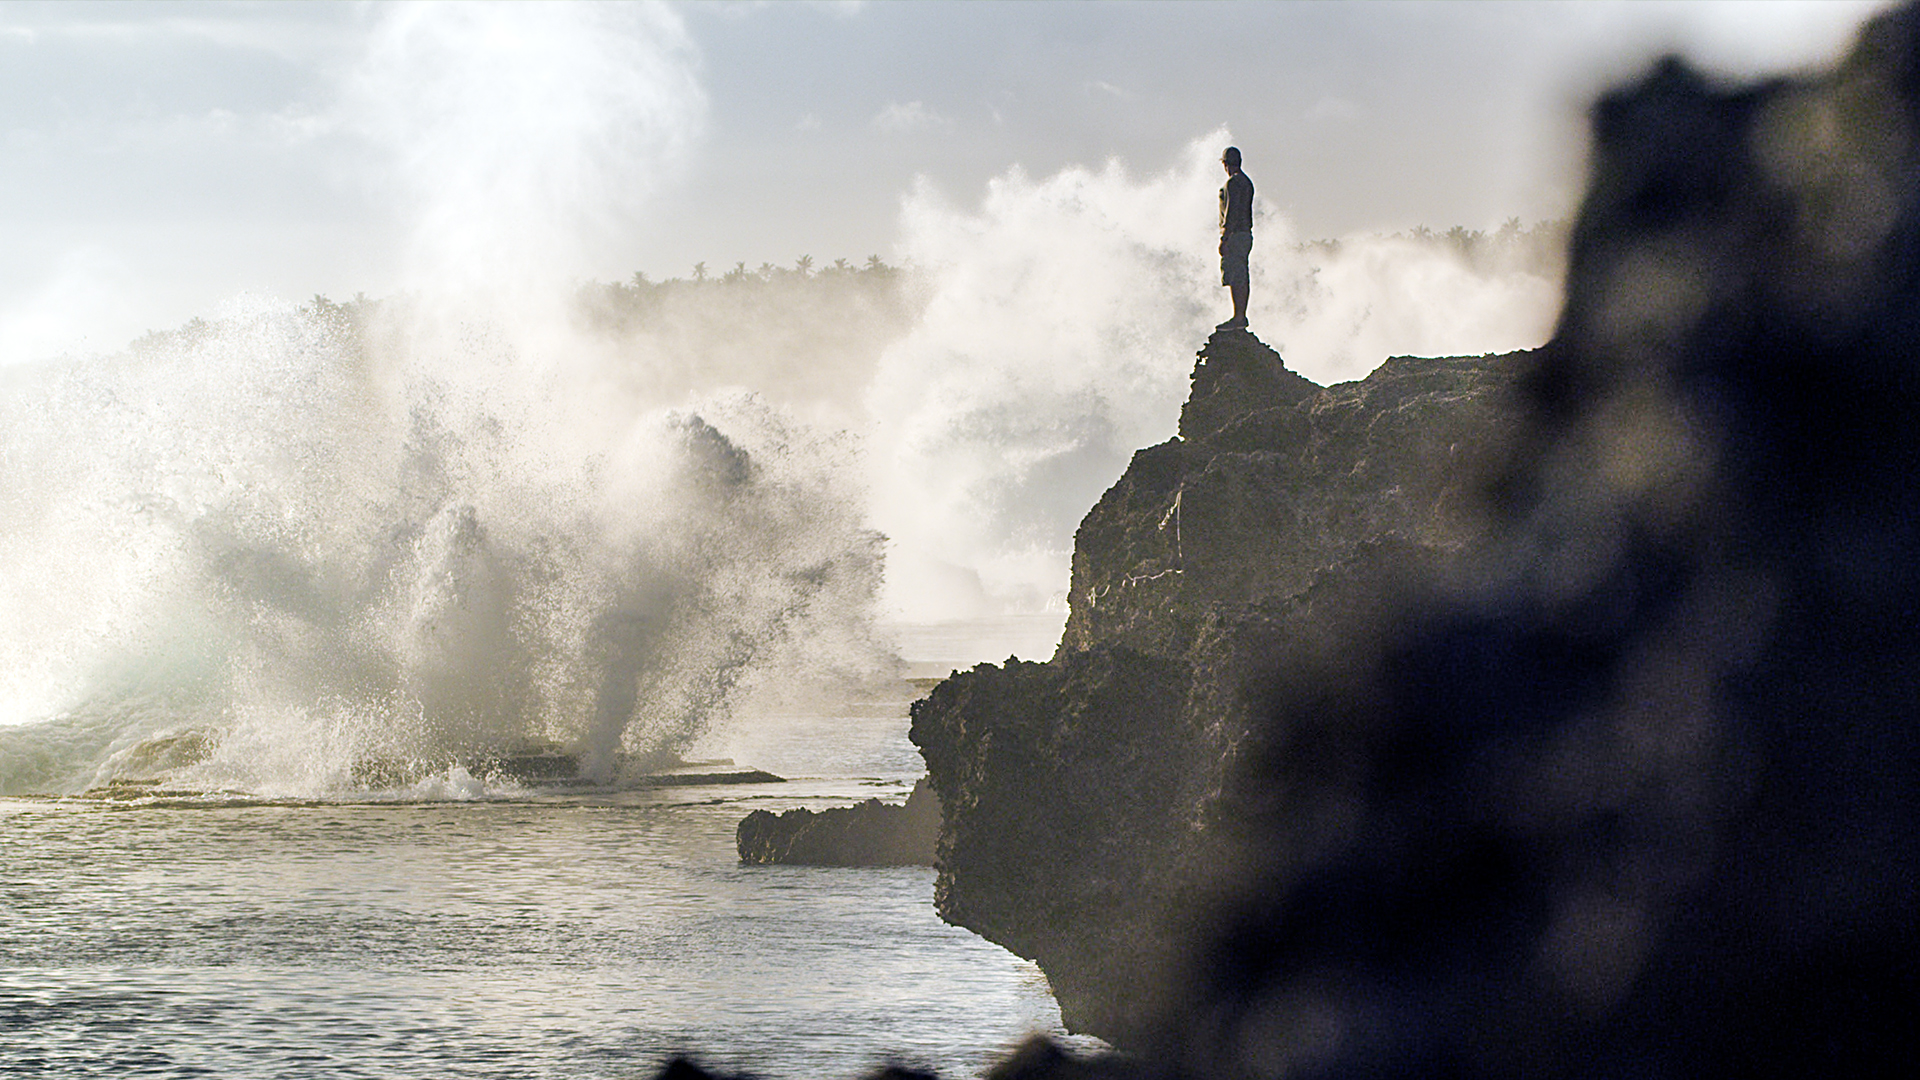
x=872, y=833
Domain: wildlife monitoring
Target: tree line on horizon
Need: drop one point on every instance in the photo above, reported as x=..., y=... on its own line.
x=1537, y=249
x=729, y=322
x=620, y=307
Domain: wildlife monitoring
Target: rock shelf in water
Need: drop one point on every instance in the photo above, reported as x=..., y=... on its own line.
x=871, y=833
x=148, y=770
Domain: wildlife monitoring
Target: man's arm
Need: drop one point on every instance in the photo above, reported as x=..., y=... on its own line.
x=1241, y=189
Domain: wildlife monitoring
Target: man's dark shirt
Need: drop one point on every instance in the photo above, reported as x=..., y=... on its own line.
x=1236, y=204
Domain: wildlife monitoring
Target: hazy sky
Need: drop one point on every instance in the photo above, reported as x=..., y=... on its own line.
x=156, y=158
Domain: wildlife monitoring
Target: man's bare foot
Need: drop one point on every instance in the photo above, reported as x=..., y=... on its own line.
x=1238, y=322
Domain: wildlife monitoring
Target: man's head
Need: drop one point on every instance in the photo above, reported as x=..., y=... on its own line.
x=1231, y=159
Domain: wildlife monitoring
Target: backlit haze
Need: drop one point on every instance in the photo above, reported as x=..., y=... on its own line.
x=1044, y=173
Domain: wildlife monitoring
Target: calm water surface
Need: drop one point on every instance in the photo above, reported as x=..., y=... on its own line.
x=562, y=935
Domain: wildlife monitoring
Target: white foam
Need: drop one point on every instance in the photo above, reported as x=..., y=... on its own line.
x=332, y=554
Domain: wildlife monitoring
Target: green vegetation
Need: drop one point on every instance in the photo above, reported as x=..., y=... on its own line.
x=802, y=335
x=639, y=302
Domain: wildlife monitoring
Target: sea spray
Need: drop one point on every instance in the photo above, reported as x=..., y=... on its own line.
x=1060, y=321
x=336, y=566
x=298, y=551
x=521, y=141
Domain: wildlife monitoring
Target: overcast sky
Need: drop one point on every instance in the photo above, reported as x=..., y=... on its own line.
x=157, y=158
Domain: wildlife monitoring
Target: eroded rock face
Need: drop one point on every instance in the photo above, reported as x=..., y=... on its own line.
x=1273, y=478
x=1083, y=794
x=1060, y=784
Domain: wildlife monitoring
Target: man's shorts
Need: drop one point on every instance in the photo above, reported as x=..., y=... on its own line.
x=1234, y=249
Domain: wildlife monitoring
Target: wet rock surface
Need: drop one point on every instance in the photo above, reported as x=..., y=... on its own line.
x=167, y=753
x=160, y=767
x=871, y=833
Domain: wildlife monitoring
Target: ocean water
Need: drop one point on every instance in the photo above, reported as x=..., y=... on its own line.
x=325, y=572
x=584, y=933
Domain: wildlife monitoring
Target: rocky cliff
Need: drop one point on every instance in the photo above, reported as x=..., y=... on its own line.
x=1273, y=478
x=1082, y=794
x=1619, y=778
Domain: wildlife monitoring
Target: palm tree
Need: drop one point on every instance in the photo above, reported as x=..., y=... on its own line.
x=804, y=264
x=699, y=271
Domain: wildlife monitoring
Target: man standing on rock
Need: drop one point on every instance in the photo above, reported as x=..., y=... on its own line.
x=1236, y=236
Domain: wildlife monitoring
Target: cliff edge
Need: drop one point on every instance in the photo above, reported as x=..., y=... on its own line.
x=1082, y=795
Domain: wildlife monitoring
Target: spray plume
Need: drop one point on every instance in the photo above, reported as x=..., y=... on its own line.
x=1056, y=339
x=453, y=523
x=294, y=551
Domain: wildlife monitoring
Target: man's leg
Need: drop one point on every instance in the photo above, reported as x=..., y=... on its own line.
x=1235, y=249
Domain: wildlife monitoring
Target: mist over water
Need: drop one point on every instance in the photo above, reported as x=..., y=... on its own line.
x=437, y=529
x=260, y=527
x=521, y=142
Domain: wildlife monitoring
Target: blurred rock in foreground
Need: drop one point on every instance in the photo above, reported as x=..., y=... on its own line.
x=1621, y=779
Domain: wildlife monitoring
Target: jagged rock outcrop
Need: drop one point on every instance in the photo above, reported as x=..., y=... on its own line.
x=1060, y=783
x=872, y=833
x=1081, y=793
x=1628, y=783
x=1273, y=478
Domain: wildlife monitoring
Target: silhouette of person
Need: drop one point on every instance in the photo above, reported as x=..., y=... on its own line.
x=1236, y=236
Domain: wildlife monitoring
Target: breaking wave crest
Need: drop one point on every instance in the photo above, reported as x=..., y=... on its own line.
x=302, y=551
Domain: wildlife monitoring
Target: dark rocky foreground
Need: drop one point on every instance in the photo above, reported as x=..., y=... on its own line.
x=1596, y=757
x=872, y=833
